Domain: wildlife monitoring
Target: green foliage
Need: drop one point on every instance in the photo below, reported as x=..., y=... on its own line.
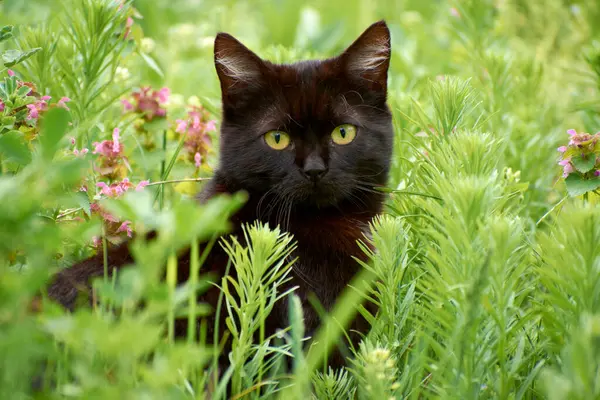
x=483, y=267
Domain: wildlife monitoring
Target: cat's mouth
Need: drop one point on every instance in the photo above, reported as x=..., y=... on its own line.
x=321, y=193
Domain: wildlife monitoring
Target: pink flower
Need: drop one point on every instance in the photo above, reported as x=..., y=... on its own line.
x=126, y=228
x=211, y=126
x=568, y=168
x=33, y=112
x=81, y=152
x=46, y=98
x=163, y=95
x=105, y=189
x=181, y=126
x=1, y=106
x=62, y=101
x=148, y=102
x=198, y=142
x=116, y=146
x=128, y=26
x=127, y=106
x=572, y=132
x=565, y=161
x=142, y=185
x=73, y=141
x=597, y=172
x=562, y=149
x=10, y=72
x=119, y=188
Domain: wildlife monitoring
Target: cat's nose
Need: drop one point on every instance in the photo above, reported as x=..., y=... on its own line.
x=314, y=167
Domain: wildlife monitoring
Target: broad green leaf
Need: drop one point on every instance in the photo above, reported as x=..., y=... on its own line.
x=577, y=186
x=11, y=58
x=54, y=126
x=14, y=148
x=582, y=164
x=6, y=33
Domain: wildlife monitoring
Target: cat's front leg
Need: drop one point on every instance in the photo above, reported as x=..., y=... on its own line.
x=74, y=282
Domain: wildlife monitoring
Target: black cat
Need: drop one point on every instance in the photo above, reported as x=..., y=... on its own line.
x=308, y=142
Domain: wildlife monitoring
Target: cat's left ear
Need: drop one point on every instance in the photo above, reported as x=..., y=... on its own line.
x=368, y=58
x=237, y=66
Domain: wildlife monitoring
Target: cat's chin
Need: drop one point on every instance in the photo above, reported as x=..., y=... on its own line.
x=321, y=196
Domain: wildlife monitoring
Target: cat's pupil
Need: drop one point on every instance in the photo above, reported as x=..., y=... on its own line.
x=277, y=137
x=342, y=132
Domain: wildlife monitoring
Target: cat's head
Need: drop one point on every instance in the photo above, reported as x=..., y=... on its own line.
x=312, y=133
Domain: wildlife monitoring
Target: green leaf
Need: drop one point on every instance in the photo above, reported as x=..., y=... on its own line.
x=11, y=58
x=23, y=90
x=152, y=64
x=584, y=164
x=577, y=186
x=84, y=202
x=6, y=33
x=54, y=126
x=14, y=148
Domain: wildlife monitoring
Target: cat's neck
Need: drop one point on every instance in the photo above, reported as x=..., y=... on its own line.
x=337, y=226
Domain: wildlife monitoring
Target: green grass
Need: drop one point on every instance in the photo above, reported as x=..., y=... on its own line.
x=487, y=272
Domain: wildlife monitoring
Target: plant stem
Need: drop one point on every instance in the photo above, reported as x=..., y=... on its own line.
x=179, y=180
x=171, y=283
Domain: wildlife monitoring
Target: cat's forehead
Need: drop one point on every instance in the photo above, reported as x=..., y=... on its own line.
x=308, y=92
x=304, y=73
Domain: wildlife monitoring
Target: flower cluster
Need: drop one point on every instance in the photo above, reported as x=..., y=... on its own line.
x=111, y=161
x=147, y=102
x=113, y=227
x=22, y=106
x=580, y=155
x=196, y=128
x=118, y=188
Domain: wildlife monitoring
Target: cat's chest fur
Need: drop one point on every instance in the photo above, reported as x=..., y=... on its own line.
x=325, y=263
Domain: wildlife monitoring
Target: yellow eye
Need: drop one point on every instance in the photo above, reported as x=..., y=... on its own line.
x=343, y=134
x=277, y=140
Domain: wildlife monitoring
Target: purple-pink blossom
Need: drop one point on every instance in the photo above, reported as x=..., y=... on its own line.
x=62, y=101
x=125, y=227
x=562, y=149
x=81, y=152
x=33, y=112
x=128, y=26
x=11, y=72
x=567, y=169
x=37, y=107
x=116, y=147
x=196, y=129
x=142, y=185
x=1, y=106
x=163, y=95
x=181, y=126
x=117, y=189
x=127, y=106
x=148, y=102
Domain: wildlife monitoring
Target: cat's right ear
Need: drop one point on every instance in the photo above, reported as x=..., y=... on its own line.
x=237, y=66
